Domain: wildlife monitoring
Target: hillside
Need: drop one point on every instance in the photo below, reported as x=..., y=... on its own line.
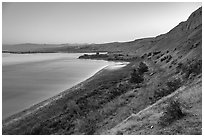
x=35, y=48
x=146, y=122
x=158, y=92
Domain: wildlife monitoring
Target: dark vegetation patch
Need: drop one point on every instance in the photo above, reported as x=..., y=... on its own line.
x=144, y=55
x=174, y=62
x=136, y=77
x=119, y=133
x=172, y=113
x=142, y=68
x=96, y=99
x=159, y=55
x=195, y=45
x=167, y=88
x=191, y=67
x=167, y=58
x=162, y=54
x=137, y=74
x=156, y=53
x=149, y=54
x=88, y=125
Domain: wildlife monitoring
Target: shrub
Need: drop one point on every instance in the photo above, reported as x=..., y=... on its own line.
x=156, y=52
x=168, y=58
x=173, y=112
x=119, y=133
x=88, y=125
x=142, y=68
x=36, y=130
x=174, y=62
x=158, y=94
x=162, y=59
x=149, y=54
x=179, y=67
x=171, y=87
x=116, y=91
x=136, y=77
x=144, y=55
x=40, y=129
x=194, y=67
x=190, y=67
x=72, y=109
x=137, y=74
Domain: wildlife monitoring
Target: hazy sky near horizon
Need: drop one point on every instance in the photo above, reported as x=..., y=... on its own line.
x=59, y=23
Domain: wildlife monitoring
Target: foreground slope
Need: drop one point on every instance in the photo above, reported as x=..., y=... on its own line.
x=147, y=120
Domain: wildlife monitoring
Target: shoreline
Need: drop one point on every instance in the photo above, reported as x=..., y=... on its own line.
x=57, y=87
x=48, y=102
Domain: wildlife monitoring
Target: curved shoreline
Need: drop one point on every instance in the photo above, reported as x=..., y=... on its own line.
x=24, y=89
x=48, y=102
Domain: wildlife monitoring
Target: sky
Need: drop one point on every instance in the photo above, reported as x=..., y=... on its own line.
x=58, y=23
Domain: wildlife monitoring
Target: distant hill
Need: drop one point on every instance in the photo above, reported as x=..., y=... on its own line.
x=25, y=47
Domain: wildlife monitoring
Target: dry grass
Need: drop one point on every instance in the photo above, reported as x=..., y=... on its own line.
x=148, y=121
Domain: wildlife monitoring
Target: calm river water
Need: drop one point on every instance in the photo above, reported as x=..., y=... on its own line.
x=30, y=78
